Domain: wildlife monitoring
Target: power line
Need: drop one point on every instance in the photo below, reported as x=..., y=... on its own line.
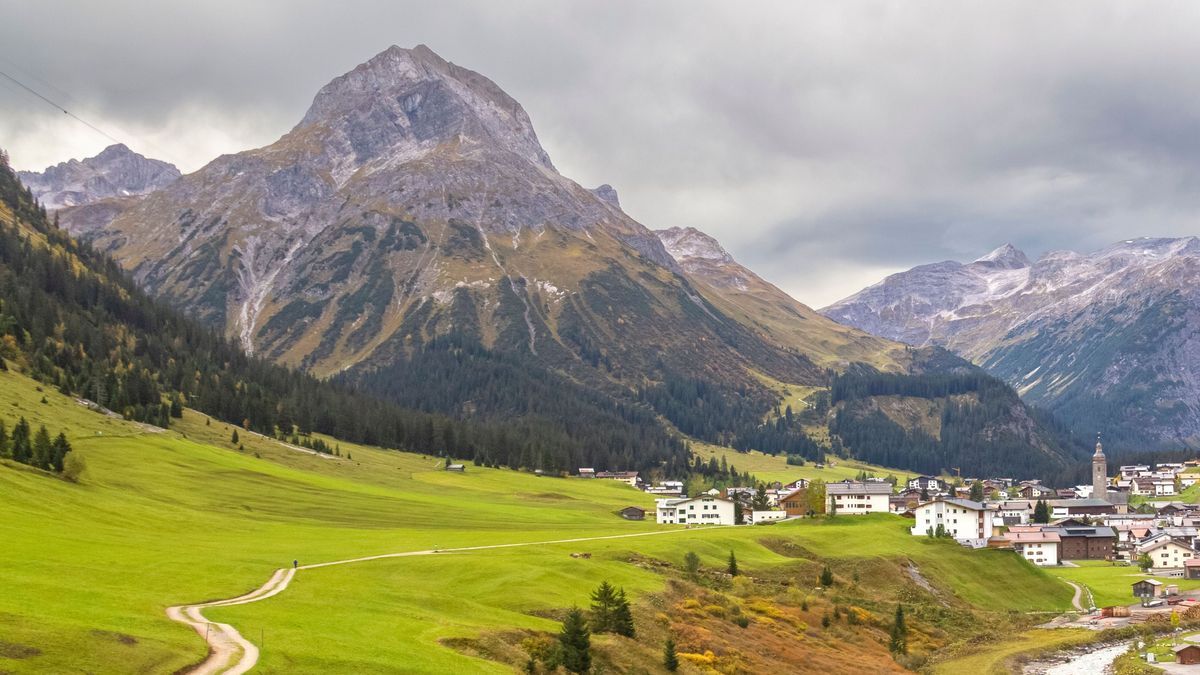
x=59, y=107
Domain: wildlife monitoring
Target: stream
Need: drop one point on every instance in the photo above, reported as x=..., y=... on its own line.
x=1087, y=661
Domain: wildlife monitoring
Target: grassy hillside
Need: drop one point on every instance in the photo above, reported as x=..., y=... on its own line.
x=164, y=517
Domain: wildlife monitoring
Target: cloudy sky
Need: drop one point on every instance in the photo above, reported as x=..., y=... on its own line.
x=825, y=144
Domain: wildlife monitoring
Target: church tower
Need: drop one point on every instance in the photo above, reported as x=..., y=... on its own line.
x=1099, y=472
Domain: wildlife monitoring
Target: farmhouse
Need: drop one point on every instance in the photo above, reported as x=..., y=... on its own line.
x=1147, y=588
x=959, y=518
x=704, y=510
x=795, y=503
x=1061, y=508
x=628, y=477
x=1166, y=554
x=1038, y=547
x=930, y=484
x=856, y=498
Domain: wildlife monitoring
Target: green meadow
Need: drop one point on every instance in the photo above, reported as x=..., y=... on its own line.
x=1112, y=584
x=168, y=517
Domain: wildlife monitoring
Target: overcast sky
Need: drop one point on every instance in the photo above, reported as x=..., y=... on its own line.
x=825, y=145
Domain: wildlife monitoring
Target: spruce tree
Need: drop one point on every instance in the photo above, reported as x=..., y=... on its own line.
x=1041, y=512
x=234, y=439
x=61, y=448
x=899, y=639
x=623, y=615
x=670, y=658
x=977, y=491
x=733, y=566
x=604, y=602
x=826, y=577
x=20, y=447
x=42, y=448
x=575, y=642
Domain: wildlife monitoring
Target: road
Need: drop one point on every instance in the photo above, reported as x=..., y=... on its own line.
x=1078, y=594
x=231, y=654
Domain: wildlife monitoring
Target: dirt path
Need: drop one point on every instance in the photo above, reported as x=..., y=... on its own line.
x=1078, y=594
x=231, y=654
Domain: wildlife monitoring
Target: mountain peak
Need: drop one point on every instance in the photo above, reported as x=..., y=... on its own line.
x=402, y=101
x=1006, y=257
x=607, y=193
x=116, y=171
x=688, y=243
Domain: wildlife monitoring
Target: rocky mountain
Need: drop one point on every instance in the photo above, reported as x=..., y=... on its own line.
x=114, y=173
x=1109, y=340
x=774, y=314
x=410, y=236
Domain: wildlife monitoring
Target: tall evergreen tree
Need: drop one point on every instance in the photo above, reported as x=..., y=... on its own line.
x=977, y=491
x=21, y=450
x=604, y=603
x=234, y=438
x=670, y=658
x=1041, y=512
x=623, y=615
x=898, y=644
x=61, y=449
x=732, y=567
x=826, y=577
x=575, y=642
x=43, y=450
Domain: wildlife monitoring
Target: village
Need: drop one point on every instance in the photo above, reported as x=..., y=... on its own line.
x=1128, y=520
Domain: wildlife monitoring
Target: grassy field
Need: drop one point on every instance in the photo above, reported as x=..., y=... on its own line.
x=775, y=467
x=166, y=517
x=1112, y=584
x=996, y=657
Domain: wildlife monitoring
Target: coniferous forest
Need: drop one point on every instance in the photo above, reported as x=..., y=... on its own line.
x=71, y=318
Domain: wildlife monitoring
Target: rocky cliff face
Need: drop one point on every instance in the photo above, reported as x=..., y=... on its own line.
x=413, y=201
x=1108, y=339
x=116, y=172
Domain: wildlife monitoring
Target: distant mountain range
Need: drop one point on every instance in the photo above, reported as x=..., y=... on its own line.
x=1109, y=340
x=115, y=172
x=411, y=236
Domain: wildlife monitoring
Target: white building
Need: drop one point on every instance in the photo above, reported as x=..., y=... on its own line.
x=959, y=518
x=856, y=498
x=1166, y=554
x=756, y=517
x=1038, y=547
x=704, y=510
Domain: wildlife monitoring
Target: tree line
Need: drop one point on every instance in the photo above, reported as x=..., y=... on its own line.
x=34, y=449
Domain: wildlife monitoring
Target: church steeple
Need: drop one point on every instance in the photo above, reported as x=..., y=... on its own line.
x=1099, y=472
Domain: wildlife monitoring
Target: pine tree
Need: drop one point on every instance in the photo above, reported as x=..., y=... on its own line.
x=670, y=658
x=760, y=501
x=575, y=642
x=977, y=491
x=691, y=562
x=733, y=566
x=899, y=639
x=1041, y=512
x=623, y=615
x=604, y=601
x=19, y=446
x=234, y=439
x=61, y=449
x=42, y=448
x=739, y=513
x=826, y=579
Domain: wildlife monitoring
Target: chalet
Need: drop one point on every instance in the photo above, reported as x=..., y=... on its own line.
x=1066, y=493
x=1164, y=487
x=795, y=503
x=741, y=494
x=901, y=504
x=460, y=468
x=585, y=472
x=930, y=484
x=1172, y=509
x=630, y=478
x=855, y=498
x=798, y=484
x=1141, y=486
x=1166, y=554
x=1016, y=512
x=633, y=513
x=695, y=511
x=1133, y=470
x=959, y=518
x=1084, y=542
x=1033, y=491
x=1038, y=547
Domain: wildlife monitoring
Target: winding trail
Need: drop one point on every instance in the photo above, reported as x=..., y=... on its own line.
x=231, y=654
x=1078, y=593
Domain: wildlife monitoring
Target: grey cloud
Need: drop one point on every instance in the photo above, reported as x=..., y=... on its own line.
x=823, y=143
